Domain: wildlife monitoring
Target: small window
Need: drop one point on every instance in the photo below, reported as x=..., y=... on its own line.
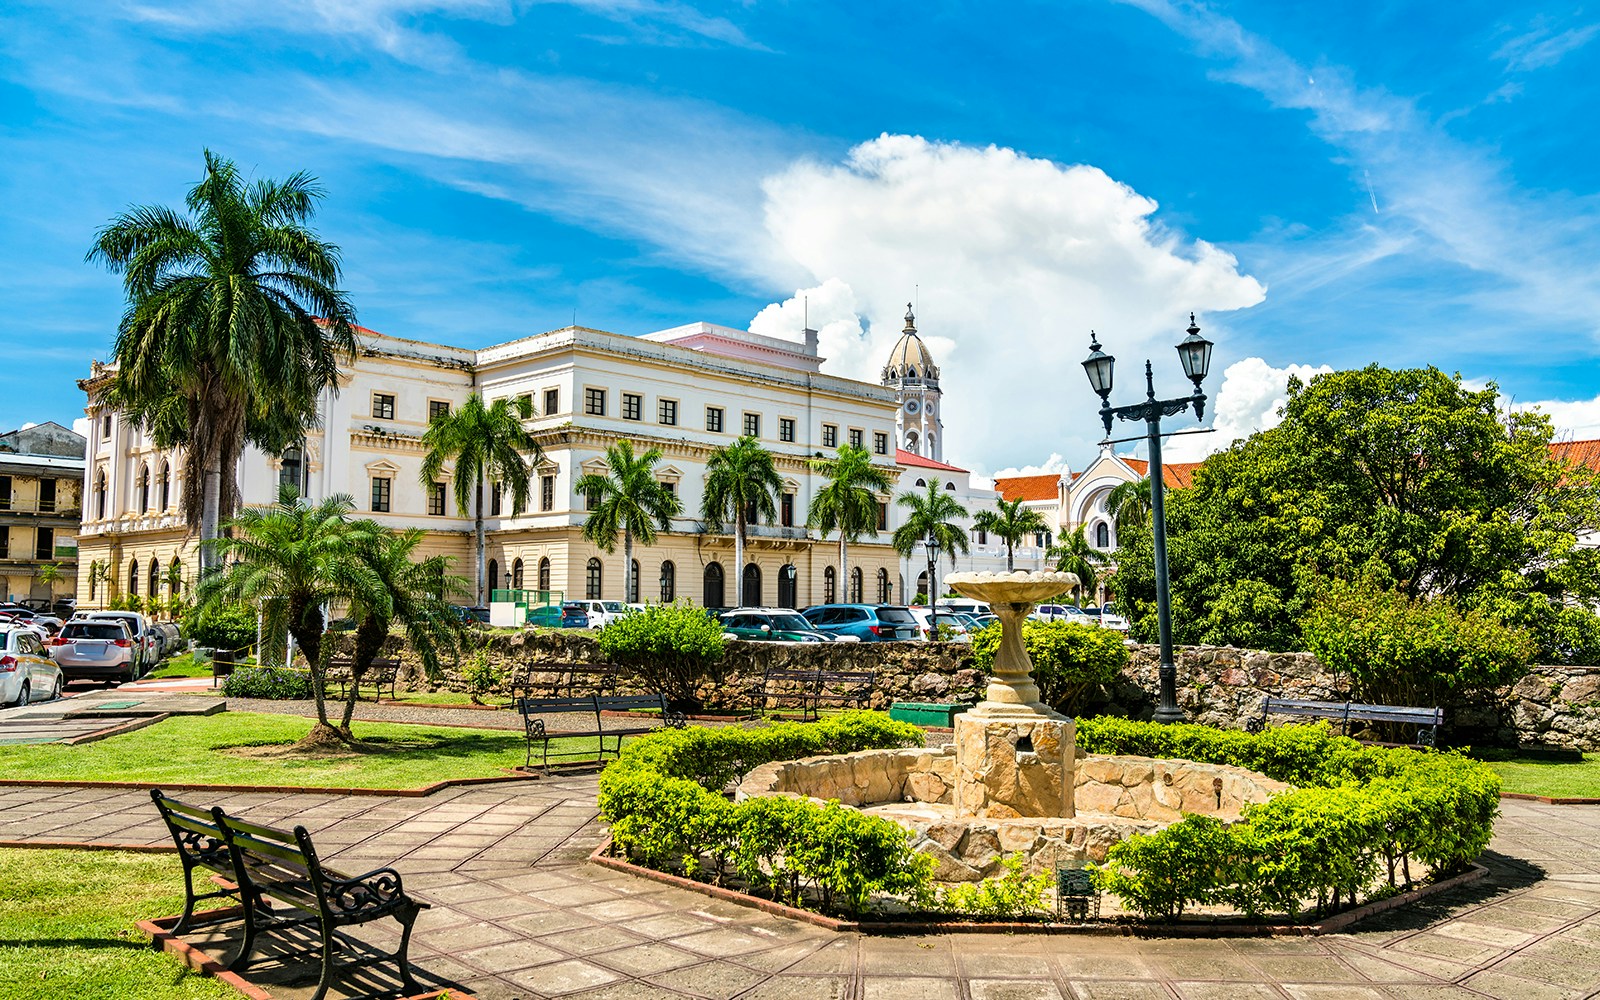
x=883, y=517
x=785, y=429
x=44, y=546
x=494, y=577
x=516, y=574
x=632, y=406
x=591, y=500
x=155, y=577
x=752, y=425
x=544, y=575
x=633, y=583
x=951, y=487
x=144, y=489
x=133, y=577
x=667, y=412
x=383, y=406
x=436, y=499
x=830, y=586
x=594, y=402
x=786, y=511
x=669, y=582
x=883, y=586
x=381, y=489
x=855, y=438
x=880, y=443
x=496, y=500
x=100, y=494
x=669, y=488
x=552, y=401
x=437, y=408
x=983, y=537
x=105, y=426
x=830, y=436
x=547, y=492
x=714, y=419
x=592, y=580
x=1102, y=536
x=525, y=402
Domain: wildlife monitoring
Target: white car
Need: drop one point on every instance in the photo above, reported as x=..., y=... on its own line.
x=1061, y=613
x=929, y=621
x=144, y=638
x=27, y=674
x=601, y=613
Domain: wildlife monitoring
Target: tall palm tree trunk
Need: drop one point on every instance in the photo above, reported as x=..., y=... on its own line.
x=1011, y=565
x=478, y=527
x=932, y=569
x=210, y=511
x=844, y=569
x=738, y=560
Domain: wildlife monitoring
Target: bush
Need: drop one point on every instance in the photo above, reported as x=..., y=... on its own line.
x=669, y=646
x=1360, y=813
x=1069, y=659
x=231, y=626
x=663, y=800
x=1014, y=894
x=274, y=683
x=482, y=677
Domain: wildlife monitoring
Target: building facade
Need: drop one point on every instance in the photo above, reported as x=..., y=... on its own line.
x=41, y=478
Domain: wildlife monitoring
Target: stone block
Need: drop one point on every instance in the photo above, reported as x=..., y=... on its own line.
x=925, y=786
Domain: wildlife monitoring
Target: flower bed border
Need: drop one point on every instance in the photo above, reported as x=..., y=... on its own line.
x=414, y=793
x=1549, y=800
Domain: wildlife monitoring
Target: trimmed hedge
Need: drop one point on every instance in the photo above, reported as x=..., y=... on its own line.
x=1359, y=813
x=274, y=683
x=664, y=802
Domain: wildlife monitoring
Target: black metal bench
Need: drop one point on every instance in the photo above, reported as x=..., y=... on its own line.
x=808, y=690
x=1426, y=720
x=384, y=671
x=602, y=729
x=265, y=862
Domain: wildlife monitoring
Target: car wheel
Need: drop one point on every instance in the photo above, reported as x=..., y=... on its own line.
x=22, y=696
x=56, y=694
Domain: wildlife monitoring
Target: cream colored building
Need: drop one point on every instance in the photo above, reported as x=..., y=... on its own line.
x=41, y=473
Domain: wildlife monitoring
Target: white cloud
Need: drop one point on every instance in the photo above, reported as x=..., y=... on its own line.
x=1016, y=259
x=1052, y=466
x=1574, y=420
x=1543, y=46
x=80, y=426
x=1252, y=392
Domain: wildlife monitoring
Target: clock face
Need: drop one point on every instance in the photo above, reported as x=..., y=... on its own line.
x=928, y=409
x=911, y=406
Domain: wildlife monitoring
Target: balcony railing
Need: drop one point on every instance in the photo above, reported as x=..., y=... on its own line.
x=18, y=505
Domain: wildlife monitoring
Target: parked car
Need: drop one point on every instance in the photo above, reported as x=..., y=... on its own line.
x=929, y=620
x=26, y=671
x=574, y=615
x=466, y=614
x=97, y=649
x=867, y=622
x=963, y=605
x=770, y=625
x=549, y=616
x=601, y=613
x=42, y=620
x=144, y=639
x=1106, y=617
x=983, y=621
x=1061, y=613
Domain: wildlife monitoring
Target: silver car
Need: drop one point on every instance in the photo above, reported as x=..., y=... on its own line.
x=26, y=673
x=97, y=649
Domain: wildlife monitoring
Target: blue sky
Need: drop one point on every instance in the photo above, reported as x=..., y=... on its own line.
x=1393, y=182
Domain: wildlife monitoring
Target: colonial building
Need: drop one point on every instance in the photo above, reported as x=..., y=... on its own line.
x=911, y=373
x=41, y=474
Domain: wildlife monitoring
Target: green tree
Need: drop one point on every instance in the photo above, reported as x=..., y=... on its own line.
x=1075, y=555
x=1129, y=505
x=849, y=503
x=50, y=575
x=485, y=442
x=234, y=327
x=627, y=498
x=741, y=483
x=930, y=514
x=292, y=559
x=1070, y=660
x=1010, y=522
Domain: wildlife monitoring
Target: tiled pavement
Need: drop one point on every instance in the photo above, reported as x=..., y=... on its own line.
x=518, y=913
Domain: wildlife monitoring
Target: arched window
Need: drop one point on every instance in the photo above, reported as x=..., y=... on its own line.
x=711, y=589
x=911, y=441
x=516, y=574
x=830, y=585
x=133, y=577
x=1102, y=535
x=922, y=588
x=494, y=577
x=166, y=486
x=911, y=372
x=669, y=582
x=921, y=483
x=633, y=583
x=291, y=471
x=100, y=494
x=855, y=585
x=752, y=586
x=544, y=574
x=788, y=586
x=592, y=580
x=175, y=583
x=884, y=595
x=155, y=577
x=94, y=578
x=144, y=489
x=950, y=486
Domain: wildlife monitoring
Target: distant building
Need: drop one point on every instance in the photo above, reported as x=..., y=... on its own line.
x=41, y=477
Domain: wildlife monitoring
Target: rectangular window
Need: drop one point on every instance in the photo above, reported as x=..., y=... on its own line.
x=5, y=492
x=105, y=426
x=667, y=412
x=632, y=406
x=714, y=419
x=830, y=436
x=552, y=401
x=786, y=512
x=381, y=486
x=671, y=489
x=436, y=499
x=594, y=402
x=524, y=403
x=785, y=429
x=383, y=406
x=45, y=546
x=5, y=546
x=855, y=438
x=883, y=517
x=880, y=443
x=496, y=498
x=437, y=408
x=983, y=537
x=547, y=492
x=752, y=425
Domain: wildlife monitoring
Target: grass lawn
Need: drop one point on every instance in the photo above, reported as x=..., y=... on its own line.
x=67, y=928
x=182, y=665
x=248, y=748
x=1557, y=779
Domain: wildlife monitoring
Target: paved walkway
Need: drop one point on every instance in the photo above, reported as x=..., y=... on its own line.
x=517, y=913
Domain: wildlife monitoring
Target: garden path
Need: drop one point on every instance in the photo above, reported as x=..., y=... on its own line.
x=518, y=913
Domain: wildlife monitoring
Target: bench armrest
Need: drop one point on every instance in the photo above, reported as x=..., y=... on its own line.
x=379, y=888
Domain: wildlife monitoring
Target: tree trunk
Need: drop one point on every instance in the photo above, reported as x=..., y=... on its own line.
x=370, y=635
x=932, y=569
x=738, y=559
x=478, y=527
x=1010, y=565
x=210, y=510
x=844, y=569
x=627, y=565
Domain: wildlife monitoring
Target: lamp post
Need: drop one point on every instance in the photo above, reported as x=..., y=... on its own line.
x=931, y=543
x=1194, y=353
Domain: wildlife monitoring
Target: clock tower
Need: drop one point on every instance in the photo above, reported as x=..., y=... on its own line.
x=913, y=376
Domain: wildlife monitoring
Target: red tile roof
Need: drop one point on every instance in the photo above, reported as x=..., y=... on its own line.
x=912, y=458
x=1043, y=487
x=1585, y=453
x=1178, y=475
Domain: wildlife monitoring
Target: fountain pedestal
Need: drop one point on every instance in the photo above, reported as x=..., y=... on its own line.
x=1014, y=754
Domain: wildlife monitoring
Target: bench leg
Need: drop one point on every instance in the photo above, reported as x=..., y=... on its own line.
x=407, y=918
x=251, y=902
x=328, y=948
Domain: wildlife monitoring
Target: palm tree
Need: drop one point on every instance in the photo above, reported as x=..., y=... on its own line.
x=628, y=498
x=741, y=482
x=1010, y=521
x=412, y=593
x=50, y=575
x=849, y=503
x=234, y=328
x=1129, y=504
x=932, y=515
x=1076, y=555
x=486, y=442
x=296, y=557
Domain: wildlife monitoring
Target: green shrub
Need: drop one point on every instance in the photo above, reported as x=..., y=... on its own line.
x=231, y=626
x=1014, y=894
x=1069, y=659
x=663, y=800
x=1359, y=813
x=669, y=646
x=275, y=683
x=482, y=676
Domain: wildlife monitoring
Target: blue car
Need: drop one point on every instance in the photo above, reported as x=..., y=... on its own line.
x=867, y=622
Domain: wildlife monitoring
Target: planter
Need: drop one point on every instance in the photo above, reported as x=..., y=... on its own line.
x=925, y=713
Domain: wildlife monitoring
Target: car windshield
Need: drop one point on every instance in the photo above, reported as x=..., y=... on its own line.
x=82, y=630
x=790, y=623
x=896, y=616
x=613, y=605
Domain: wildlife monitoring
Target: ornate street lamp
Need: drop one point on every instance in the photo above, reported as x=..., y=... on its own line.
x=1194, y=353
x=931, y=543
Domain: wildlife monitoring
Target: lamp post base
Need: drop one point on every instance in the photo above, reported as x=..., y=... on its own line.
x=1167, y=710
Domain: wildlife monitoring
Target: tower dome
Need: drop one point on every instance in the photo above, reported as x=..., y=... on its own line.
x=911, y=373
x=910, y=359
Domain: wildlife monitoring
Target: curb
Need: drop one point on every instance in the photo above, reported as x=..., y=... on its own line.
x=1549, y=800
x=413, y=793
x=86, y=845
x=1330, y=925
